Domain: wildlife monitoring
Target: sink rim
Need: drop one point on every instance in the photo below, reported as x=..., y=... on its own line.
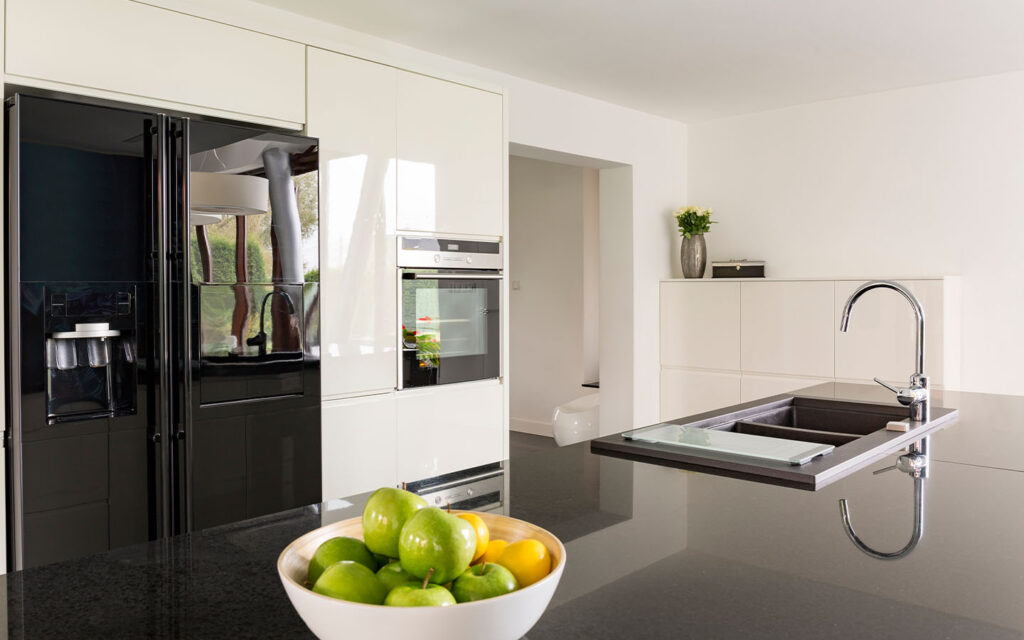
x=814, y=475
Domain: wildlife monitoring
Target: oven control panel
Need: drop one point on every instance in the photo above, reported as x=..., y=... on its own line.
x=445, y=253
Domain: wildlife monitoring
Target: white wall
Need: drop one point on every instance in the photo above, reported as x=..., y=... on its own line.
x=548, y=118
x=923, y=181
x=546, y=214
x=591, y=276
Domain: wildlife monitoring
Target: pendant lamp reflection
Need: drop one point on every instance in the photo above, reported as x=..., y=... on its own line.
x=197, y=219
x=229, y=194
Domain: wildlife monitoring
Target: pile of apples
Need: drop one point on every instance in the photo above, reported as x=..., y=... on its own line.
x=412, y=555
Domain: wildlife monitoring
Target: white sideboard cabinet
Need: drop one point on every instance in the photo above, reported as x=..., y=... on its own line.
x=700, y=327
x=786, y=328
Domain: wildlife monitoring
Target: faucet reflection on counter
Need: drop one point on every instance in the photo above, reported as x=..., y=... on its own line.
x=915, y=464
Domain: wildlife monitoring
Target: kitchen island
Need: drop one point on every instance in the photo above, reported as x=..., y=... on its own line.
x=652, y=552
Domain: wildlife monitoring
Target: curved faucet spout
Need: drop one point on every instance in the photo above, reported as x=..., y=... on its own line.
x=915, y=537
x=916, y=395
x=844, y=323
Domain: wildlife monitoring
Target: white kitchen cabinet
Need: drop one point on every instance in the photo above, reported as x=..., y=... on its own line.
x=881, y=336
x=144, y=51
x=788, y=328
x=753, y=387
x=352, y=112
x=700, y=324
x=358, y=444
x=684, y=393
x=450, y=157
x=448, y=428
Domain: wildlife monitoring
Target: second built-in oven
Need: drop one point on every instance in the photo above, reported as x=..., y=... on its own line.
x=449, y=311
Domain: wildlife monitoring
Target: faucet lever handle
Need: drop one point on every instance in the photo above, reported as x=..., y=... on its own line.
x=888, y=386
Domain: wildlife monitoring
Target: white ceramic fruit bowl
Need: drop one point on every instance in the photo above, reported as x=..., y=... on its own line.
x=505, y=617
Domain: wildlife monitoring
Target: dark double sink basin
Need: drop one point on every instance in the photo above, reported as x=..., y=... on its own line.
x=856, y=430
x=813, y=420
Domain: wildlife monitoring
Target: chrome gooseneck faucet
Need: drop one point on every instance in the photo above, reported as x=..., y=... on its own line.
x=916, y=395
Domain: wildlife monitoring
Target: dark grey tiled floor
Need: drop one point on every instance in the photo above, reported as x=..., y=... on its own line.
x=520, y=444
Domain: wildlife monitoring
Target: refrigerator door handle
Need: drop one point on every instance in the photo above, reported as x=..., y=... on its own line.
x=180, y=323
x=13, y=433
x=163, y=345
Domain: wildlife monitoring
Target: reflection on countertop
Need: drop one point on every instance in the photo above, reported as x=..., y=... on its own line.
x=652, y=552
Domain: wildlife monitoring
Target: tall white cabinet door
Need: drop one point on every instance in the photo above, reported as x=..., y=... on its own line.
x=684, y=393
x=358, y=439
x=700, y=325
x=450, y=157
x=448, y=428
x=788, y=328
x=352, y=112
x=139, y=50
x=881, y=336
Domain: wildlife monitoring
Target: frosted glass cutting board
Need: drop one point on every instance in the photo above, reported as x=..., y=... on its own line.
x=739, y=444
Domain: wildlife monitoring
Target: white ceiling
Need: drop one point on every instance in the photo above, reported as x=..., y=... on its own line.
x=693, y=60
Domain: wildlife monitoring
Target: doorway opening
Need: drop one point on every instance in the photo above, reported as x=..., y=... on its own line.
x=570, y=294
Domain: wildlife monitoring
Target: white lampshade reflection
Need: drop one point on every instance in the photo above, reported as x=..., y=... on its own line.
x=228, y=194
x=197, y=219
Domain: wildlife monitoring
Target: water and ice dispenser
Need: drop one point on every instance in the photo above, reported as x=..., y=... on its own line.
x=90, y=352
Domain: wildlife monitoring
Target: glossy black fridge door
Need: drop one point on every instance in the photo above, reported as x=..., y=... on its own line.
x=254, y=426
x=85, y=462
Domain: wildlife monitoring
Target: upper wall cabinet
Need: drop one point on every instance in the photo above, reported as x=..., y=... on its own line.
x=450, y=157
x=352, y=112
x=143, y=51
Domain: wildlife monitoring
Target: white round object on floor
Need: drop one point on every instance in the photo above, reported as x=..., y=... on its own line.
x=577, y=420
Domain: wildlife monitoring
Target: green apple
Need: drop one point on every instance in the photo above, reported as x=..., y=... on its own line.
x=393, y=574
x=336, y=550
x=384, y=515
x=383, y=560
x=348, y=580
x=438, y=541
x=482, y=581
x=412, y=594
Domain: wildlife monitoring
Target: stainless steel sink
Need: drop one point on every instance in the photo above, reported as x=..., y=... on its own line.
x=857, y=430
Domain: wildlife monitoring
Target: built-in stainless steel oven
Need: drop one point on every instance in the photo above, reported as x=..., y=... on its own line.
x=449, y=311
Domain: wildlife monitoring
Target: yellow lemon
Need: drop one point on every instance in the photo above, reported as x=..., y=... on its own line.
x=528, y=560
x=494, y=549
x=483, y=535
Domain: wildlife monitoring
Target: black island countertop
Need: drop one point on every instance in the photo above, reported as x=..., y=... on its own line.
x=652, y=552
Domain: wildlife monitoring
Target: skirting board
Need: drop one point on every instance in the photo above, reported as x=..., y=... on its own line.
x=535, y=427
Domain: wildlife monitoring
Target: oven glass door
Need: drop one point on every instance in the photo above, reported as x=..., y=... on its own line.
x=450, y=326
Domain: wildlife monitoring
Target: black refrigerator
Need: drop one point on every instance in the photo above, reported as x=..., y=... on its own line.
x=162, y=339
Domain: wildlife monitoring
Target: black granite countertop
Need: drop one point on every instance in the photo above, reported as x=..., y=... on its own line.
x=652, y=552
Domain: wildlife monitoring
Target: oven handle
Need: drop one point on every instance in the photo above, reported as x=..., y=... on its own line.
x=456, y=276
x=459, y=482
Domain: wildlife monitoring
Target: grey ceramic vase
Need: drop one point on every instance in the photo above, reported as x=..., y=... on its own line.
x=693, y=256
